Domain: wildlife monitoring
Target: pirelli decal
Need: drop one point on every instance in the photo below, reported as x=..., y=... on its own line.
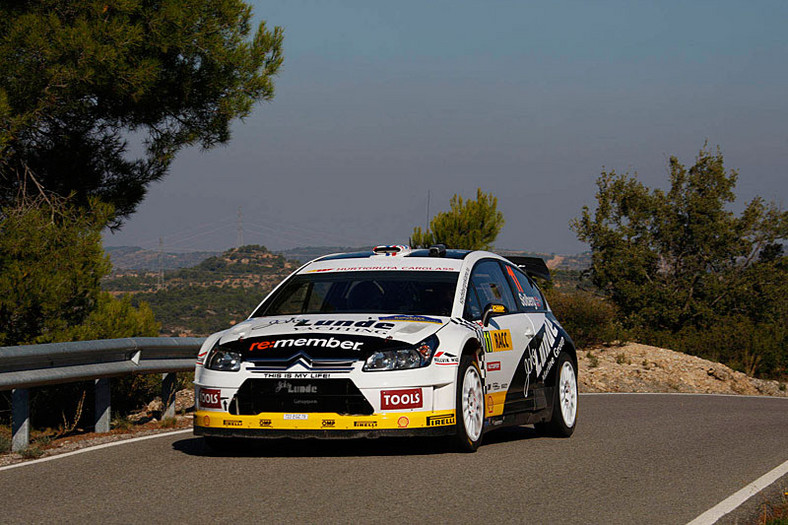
x=498, y=341
x=440, y=421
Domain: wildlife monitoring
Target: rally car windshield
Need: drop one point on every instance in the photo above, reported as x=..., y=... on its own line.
x=423, y=292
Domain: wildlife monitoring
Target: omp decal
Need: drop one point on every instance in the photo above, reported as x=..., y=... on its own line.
x=209, y=398
x=319, y=342
x=322, y=420
x=498, y=341
x=439, y=421
x=401, y=399
x=410, y=319
x=498, y=308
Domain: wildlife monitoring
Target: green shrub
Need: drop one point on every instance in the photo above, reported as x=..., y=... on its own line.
x=5, y=443
x=168, y=422
x=589, y=319
x=757, y=349
x=32, y=452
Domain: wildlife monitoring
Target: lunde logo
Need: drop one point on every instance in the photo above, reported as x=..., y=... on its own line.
x=210, y=398
x=397, y=399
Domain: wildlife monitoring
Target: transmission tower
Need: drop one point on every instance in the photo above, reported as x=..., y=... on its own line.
x=160, y=279
x=240, y=239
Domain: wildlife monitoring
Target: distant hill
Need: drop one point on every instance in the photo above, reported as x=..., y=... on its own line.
x=136, y=258
x=221, y=289
x=308, y=253
x=212, y=295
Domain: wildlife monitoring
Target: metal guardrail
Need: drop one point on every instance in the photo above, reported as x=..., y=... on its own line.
x=24, y=367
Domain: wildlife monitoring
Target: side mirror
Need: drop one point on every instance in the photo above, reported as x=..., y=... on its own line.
x=492, y=309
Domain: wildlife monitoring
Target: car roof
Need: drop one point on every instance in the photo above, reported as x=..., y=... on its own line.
x=395, y=258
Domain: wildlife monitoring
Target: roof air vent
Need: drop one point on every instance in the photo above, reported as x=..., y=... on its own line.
x=438, y=250
x=391, y=250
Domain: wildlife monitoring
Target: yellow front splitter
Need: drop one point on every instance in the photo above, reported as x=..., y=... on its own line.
x=322, y=421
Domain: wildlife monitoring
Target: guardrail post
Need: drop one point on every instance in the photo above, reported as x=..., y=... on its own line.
x=102, y=405
x=168, y=394
x=20, y=416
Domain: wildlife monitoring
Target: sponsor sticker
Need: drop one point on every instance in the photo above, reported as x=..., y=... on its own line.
x=319, y=342
x=490, y=404
x=445, y=358
x=439, y=421
x=210, y=398
x=265, y=422
x=206, y=421
x=498, y=340
x=296, y=416
x=328, y=423
x=403, y=422
x=411, y=319
x=289, y=388
x=385, y=267
x=492, y=366
x=401, y=399
x=233, y=423
x=365, y=424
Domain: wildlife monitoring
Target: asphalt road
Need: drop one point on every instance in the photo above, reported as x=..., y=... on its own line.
x=633, y=459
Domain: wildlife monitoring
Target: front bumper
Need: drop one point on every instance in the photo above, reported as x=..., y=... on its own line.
x=324, y=425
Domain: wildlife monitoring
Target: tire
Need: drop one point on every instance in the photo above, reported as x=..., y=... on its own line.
x=564, y=416
x=469, y=405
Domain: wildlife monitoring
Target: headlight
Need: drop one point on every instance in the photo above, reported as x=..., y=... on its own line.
x=403, y=359
x=224, y=360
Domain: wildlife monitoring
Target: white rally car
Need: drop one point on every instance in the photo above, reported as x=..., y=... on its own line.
x=392, y=342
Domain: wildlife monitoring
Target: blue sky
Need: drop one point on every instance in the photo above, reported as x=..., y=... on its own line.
x=379, y=103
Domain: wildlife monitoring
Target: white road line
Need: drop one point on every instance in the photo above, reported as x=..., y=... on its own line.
x=96, y=447
x=738, y=396
x=732, y=502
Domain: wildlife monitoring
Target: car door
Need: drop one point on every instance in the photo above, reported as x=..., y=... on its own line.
x=526, y=390
x=507, y=335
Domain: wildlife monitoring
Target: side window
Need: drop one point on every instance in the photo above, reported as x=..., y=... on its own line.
x=491, y=286
x=528, y=295
x=473, y=312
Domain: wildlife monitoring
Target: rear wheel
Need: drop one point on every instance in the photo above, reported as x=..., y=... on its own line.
x=562, y=423
x=470, y=405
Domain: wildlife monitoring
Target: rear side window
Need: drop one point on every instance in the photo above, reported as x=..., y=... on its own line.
x=491, y=286
x=528, y=295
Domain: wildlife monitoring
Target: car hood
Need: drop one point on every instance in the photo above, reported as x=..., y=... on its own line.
x=409, y=329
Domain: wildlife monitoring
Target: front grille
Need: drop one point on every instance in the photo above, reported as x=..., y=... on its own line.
x=339, y=396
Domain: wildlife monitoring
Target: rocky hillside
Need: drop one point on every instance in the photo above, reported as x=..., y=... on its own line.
x=634, y=367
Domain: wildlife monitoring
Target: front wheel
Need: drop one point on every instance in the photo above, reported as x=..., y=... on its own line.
x=562, y=423
x=469, y=405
